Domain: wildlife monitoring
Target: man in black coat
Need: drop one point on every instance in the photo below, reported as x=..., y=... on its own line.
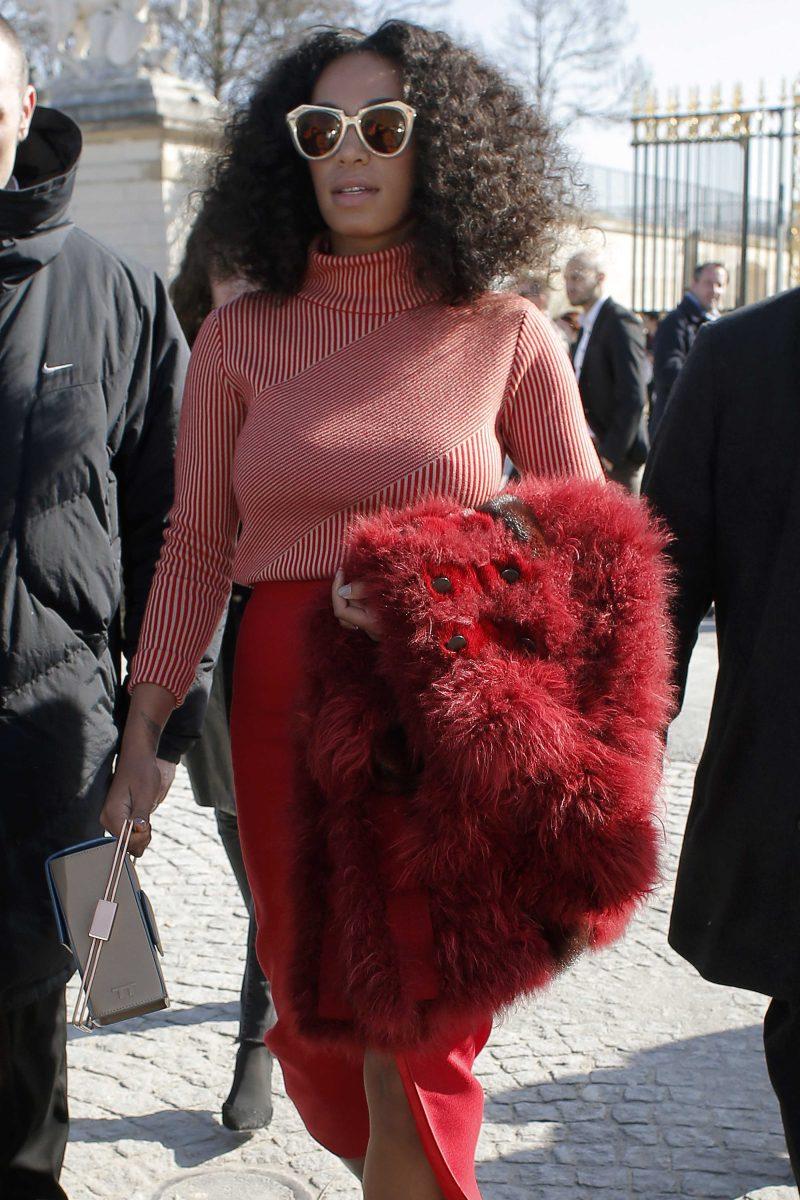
x=678, y=329
x=611, y=368
x=91, y=370
x=725, y=475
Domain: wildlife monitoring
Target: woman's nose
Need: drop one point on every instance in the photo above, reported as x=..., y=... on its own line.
x=352, y=148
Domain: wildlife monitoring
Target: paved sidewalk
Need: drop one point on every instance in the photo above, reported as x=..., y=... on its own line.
x=631, y=1077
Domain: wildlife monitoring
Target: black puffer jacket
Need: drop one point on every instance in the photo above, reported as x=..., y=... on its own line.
x=91, y=369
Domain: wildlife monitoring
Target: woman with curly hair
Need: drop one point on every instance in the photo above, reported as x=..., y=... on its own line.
x=372, y=193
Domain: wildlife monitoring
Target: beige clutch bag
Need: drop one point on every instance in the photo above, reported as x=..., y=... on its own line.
x=107, y=922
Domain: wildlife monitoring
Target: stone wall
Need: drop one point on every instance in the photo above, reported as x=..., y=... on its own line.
x=146, y=144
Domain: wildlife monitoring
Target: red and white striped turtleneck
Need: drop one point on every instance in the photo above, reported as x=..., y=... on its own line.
x=361, y=391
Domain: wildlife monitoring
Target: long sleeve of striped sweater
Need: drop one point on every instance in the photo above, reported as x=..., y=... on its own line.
x=361, y=391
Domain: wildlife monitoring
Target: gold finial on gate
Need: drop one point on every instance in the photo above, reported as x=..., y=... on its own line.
x=694, y=99
x=738, y=97
x=716, y=97
x=784, y=96
x=673, y=106
x=762, y=93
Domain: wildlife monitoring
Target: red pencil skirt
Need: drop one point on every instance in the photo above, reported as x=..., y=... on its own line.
x=325, y=1085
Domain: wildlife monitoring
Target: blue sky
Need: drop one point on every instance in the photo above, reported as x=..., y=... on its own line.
x=683, y=42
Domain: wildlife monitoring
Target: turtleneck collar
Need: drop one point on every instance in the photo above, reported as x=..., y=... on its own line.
x=383, y=282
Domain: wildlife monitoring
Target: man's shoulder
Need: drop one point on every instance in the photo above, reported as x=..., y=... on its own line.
x=675, y=316
x=615, y=311
x=99, y=261
x=619, y=321
x=767, y=317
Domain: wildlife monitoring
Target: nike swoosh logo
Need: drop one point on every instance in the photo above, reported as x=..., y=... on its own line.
x=47, y=370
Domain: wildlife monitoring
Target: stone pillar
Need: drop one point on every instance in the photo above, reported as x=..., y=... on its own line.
x=146, y=139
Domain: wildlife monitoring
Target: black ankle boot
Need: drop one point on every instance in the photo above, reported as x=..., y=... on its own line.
x=249, y=1105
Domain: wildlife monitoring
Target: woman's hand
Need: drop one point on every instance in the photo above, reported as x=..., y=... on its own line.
x=351, y=609
x=140, y=783
x=141, y=779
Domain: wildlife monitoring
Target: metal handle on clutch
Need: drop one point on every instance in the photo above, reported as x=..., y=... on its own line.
x=100, y=929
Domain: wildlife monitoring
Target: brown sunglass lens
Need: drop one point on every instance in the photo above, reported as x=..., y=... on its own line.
x=384, y=130
x=317, y=132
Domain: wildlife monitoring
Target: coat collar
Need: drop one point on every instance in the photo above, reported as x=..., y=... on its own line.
x=692, y=310
x=588, y=319
x=33, y=218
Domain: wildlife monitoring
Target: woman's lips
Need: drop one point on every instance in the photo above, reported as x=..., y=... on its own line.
x=352, y=195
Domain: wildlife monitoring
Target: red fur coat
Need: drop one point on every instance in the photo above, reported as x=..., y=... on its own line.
x=476, y=792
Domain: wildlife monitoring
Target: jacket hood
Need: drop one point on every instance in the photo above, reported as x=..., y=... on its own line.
x=33, y=220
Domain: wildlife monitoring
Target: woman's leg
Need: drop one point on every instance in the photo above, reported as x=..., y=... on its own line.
x=396, y=1166
x=249, y=1102
x=257, y=1012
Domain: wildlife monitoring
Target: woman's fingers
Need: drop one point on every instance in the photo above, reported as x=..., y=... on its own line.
x=339, y=602
x=354, y=592
x=344, y=599
x=350, y=606
x=134, y=793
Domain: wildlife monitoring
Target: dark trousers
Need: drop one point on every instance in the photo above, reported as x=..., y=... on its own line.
x=629, y=476
x=782, y=1047
x=33, y=1099
x=256, y=1011
x=211, y=773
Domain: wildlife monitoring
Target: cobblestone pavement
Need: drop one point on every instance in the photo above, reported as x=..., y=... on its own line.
x=631, y=1077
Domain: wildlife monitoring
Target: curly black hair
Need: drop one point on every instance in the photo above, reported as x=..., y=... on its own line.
x=190, y=290
x=493, y=182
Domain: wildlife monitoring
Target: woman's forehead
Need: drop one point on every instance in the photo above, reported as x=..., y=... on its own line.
x=357, y=79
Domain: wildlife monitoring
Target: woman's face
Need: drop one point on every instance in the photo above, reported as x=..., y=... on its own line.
x=378, y=215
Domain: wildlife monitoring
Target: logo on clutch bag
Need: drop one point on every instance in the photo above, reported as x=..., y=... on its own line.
x=125, y=991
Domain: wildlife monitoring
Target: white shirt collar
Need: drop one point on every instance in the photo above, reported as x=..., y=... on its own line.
x=587, y=319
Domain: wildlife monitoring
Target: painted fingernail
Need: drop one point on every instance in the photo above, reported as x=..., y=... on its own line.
x=346, y=591
x=141, y=822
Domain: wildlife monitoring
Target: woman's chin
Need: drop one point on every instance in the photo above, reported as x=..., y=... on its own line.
x=357, y=236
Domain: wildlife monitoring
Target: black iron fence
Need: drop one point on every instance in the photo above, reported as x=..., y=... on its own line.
x=714, y=184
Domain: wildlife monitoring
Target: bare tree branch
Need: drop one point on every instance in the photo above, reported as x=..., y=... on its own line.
x=29, y=22
x=574, y=58
x=242, y=36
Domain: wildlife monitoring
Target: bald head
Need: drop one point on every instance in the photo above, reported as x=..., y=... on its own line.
x=17, y=99
x=584, y=277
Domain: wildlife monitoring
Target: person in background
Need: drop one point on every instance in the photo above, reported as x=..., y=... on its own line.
x=611, y=369
x=724, y=474
x=358, y=192
x=196, y=290
x=650, y=320
x=536, y=289
x=677, y=331
x=569, y=322
x=92, y=363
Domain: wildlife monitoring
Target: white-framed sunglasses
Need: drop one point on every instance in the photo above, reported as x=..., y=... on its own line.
x=383, y=129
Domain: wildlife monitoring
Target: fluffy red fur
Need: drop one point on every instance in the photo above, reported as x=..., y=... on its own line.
x=467, y=816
